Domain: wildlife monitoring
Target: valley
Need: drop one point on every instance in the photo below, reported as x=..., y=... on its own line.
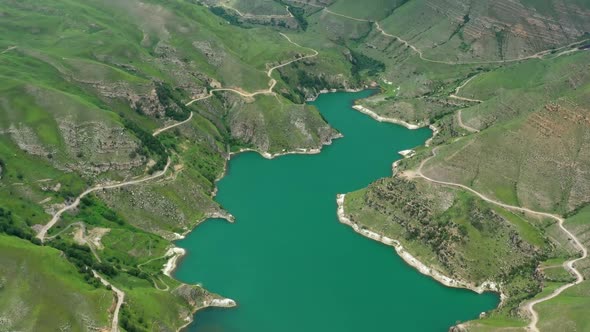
x=119, y=119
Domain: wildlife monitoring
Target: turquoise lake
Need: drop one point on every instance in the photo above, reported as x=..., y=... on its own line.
x=288, y=262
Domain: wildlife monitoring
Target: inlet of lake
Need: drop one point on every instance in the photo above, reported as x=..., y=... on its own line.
x=288, y=262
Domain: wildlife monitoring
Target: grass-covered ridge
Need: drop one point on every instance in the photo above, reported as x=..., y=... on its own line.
x=42, y=290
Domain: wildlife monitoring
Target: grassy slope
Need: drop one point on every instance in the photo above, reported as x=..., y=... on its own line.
x=259, y=7
x=540, y=116
x=41, y=291
x=373, y=10
x=567, y=311
x=451, y=30
x=485, y=30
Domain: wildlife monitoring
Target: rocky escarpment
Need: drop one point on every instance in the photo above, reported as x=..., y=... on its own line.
x=258, y=16
x=287, y=128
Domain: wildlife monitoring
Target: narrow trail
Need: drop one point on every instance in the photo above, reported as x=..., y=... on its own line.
x=8, y=49
x=161, y=130
x=83, y=239
x=120, y=299
x=64, y=230
x=455, y=95
x=269, y=91
x=43, y=232
x=139, y=267
x=538, y=55
x=463, y=125
x=165, y=289
x=567, y=265
x=550, y=267
x=248, y=15
x=348, y=17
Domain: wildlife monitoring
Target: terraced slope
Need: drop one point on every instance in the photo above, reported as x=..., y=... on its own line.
x=467, y=31
x=547, y=114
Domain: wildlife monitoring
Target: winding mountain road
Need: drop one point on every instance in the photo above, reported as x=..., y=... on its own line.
x=567, y=265
x=248, y=15
x=463, y=125
x=269, y=91
x=272, y=81
x=120, y=299
x=41, y=235
x=458, y=115
x=455, y=95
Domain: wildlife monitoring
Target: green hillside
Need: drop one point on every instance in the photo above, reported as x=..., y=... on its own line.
x=43, y=292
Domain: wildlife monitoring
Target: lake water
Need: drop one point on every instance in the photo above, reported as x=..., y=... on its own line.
x=289, y=263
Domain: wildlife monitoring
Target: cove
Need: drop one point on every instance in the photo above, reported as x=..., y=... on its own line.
x=288, y=262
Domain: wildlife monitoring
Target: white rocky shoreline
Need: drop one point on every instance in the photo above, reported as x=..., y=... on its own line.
x=285, y=152
x=380, y=118
x=213, y=303
x=413, y=261
x=403, y=123
x=175, y=254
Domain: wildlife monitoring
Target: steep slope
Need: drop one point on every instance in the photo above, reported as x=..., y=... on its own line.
x=42, y=291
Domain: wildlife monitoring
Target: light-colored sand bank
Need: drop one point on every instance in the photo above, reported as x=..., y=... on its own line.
x=407, y=153
x=175, y=254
